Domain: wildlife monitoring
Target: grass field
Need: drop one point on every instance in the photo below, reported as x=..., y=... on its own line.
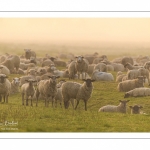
x=41, y=119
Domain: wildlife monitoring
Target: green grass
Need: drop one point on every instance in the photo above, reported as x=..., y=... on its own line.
x=41, y=119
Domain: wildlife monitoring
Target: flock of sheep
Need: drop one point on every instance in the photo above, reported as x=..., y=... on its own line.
x=40, y=74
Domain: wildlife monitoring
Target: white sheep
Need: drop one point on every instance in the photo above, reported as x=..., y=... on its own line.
x=74, y=90
x=102, y=76
x=101, y=66
x=121, y=108
x=47, y=89
x=128, y=85
x=137, y=92
x=28, y=90
x=4, y=70
x=15, y=85
x=5, y=87
x=81, y=66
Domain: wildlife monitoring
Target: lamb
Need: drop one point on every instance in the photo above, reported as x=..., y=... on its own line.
x=74, y=90
x=121, y=108
x=28, y=90
x=72, y=70
x=137, y=92
x=102, y=76
x=29, y=53
x=136, y=109
x=128, y=85
x=131, y=67
x=47, y=89
x=5, y=87
x=12, y=62
x=4, y=70
x=15, y=85
x=81, y=66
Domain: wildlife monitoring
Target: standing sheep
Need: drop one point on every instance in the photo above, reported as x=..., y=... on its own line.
x=73, y=90
x=29, y=53
x=28, y=90
x=81, y=66
x=72, y=70
x=5, y=87
x=128, y=85
x=121, y=108
x=47, y=89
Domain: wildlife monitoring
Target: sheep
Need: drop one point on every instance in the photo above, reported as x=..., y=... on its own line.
x=74, y=90
x=47, y=89
x=101, y=66
x=137, y=92
x=29, y=53
x=63, y=73
x=127, y=59
x=118, y=67
x=41, y=71
x=20, y=71
x=5, y=87
x=28, y=90
x=81, y=66
x=47, y=63
x=99, y=59
x=72, y=69
x=128, y=85
x=4, y=70
x=147, y=65
x=60, y=63
x=102, y=76
x=110, y=67
x=91, y=68
x=132, y=74
x=15, y=85
x=59, y=93
x=131, y=67
x=90, y=59
x=136, y=109
x=50, y=68
x=120, y=76
x=12, y=62
x=121, y=108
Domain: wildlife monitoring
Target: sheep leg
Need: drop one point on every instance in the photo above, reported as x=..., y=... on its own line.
x=0, y=98
x=31, y=100
x=78, y=75
x=37, y=96
x=26, y=101
x=72, y=103
x=77, y=104
x=4, y=98
x=53, y=101
x=22, y=99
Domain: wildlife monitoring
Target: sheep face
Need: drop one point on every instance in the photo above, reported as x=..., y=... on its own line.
x=2, y=78
x=53, y=79
x=79, y=59
x=88, y=82
x=126, y=95
x=135, y=109
x=16, y=81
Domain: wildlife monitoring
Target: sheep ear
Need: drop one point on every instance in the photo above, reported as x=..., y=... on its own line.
x=26, y=80
x=92, y=80
x=130, y=106
x=57, y=76
x=50, y=76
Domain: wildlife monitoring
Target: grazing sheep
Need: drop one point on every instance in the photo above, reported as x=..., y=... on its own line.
x=15, y=85
x=126, y=60
x=131, y=67
x=12, y=62
x=133, y=74
x=120, y=76
x=121, y=108
x=128, y=85
x=137, y=92
x=81, y=66
x=47, y=89
x=4, y=70
x=28, y=90
x=102, y=76
x=136, y=109
x=101, y=66
x=73, y=90
x=5, y=87
x=29, y=53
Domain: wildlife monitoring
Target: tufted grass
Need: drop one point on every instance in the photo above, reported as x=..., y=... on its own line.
x=41, y=119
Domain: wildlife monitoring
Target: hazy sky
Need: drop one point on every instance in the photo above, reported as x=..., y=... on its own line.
x=75, y=29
